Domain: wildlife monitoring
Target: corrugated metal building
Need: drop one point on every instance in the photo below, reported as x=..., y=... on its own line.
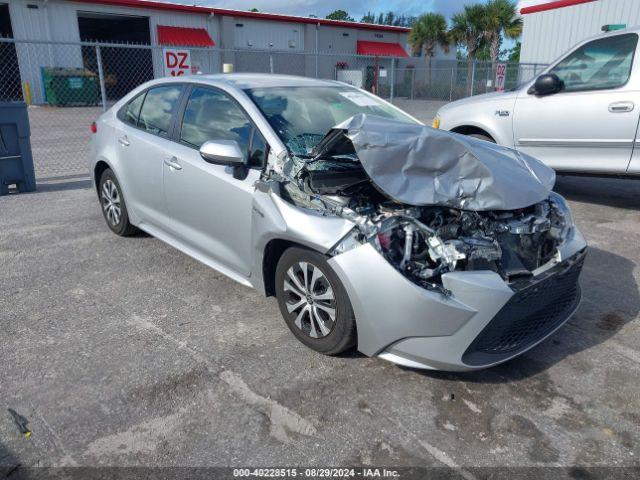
x=229, y=36
x=552, y=28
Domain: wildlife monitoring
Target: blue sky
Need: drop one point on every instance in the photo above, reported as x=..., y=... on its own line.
x=356, y=8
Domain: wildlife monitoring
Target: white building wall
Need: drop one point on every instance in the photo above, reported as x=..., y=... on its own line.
x=268, y=35
x=547, y=35
x=57, y=20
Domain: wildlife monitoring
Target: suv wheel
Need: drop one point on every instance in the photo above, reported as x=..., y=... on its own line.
x=314, y=303
x=113, y=205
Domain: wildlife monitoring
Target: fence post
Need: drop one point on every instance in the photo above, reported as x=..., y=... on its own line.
x=270, y=63
x=103, y=90
x=473, y=76
x=413, y=82
x=393, y=78
x=451, y=85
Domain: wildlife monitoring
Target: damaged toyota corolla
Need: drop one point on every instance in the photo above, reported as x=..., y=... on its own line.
x=426, y=248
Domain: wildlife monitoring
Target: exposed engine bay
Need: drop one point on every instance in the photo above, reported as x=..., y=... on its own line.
x=423, y=242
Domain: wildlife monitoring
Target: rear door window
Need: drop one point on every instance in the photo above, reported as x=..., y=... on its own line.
x=158, y=108
x=131, y=112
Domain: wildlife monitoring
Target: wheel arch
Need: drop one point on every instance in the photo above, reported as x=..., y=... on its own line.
x=471, y=129
x=98, y=170
x=272, y=253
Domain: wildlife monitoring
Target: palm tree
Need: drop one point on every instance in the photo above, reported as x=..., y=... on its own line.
x=500, y=19
x=429, y=31
x=467, y=30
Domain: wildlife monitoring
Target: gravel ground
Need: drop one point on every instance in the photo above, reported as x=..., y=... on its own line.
x=124, y=351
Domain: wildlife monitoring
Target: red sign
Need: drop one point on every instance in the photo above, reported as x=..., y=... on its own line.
x=176, y=62
x=501, y=76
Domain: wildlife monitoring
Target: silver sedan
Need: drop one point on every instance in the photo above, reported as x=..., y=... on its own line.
x=373, y=231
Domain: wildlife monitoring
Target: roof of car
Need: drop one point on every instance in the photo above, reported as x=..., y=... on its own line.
x=255, y=80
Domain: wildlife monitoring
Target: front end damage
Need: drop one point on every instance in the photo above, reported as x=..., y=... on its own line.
x=449, y=233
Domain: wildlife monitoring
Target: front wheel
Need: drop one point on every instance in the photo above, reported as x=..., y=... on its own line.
x=314, y=303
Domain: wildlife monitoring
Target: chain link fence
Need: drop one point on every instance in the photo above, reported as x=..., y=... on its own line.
x=67, y=85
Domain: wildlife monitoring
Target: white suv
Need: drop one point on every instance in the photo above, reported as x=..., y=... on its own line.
x=580, y=115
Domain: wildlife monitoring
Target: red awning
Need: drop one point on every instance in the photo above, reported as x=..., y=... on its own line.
x=381, y=49
x=184, y=37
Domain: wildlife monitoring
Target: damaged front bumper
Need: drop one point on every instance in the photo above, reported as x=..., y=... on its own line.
x=485, y=320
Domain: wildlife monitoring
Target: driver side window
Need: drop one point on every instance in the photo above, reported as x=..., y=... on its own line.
x=212, y=115
x=601, y=64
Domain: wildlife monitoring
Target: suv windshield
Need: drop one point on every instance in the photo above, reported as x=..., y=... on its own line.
x=302, y=116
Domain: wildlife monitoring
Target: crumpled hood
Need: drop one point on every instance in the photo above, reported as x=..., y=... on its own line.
x=420, y=166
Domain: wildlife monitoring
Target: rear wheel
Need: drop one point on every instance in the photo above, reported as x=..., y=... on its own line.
x=313, y=302
x=114, y=208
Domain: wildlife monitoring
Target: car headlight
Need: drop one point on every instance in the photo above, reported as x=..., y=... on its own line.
x=562, y=222
x=436, y=122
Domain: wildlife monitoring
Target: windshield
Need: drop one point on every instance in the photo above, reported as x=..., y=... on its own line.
x=302, y=116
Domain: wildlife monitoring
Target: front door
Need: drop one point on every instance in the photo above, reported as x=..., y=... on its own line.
x=211, y=210
x=591, y=124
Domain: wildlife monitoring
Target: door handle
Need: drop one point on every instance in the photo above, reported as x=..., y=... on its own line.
x=173, y=163
x=621, y=107
x=124, y=141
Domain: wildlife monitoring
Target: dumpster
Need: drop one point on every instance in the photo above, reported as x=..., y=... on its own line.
x=16, y=161
x=67, y=87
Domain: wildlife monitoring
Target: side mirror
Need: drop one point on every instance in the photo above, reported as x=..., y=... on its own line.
x=222, y=152
x=546, y=84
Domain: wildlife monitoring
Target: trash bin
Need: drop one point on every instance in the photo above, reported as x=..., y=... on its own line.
x=66, y=87
x=16, y=161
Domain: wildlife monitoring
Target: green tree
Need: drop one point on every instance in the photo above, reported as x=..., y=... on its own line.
x=254, y=10
x=501, y=20
x=514, y=53
x=389, y=18
x=429, y=31
x=340, y=15
x=467, y=30
x=380, y=20
x=369, y=18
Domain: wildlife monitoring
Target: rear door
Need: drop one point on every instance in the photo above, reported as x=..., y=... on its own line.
x=591, y=124
x=210, y=209
x=143, y=139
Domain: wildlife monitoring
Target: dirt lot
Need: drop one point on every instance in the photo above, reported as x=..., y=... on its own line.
x=127, y=352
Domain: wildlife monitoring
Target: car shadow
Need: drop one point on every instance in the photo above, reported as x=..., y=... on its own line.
x=610, y=300
x=612, y=192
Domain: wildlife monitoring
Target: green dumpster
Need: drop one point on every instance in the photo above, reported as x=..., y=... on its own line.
x=66, y=87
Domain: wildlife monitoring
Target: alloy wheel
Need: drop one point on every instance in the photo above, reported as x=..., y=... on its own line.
x=111, y=202
x=311, y=299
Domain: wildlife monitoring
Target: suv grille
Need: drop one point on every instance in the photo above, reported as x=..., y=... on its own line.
x=533, y=312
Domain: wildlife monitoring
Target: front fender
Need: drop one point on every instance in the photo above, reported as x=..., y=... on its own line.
x=275, y=219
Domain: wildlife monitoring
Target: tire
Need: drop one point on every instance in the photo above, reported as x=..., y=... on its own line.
x=481, y=136
x=113, y=206
x=333, y=335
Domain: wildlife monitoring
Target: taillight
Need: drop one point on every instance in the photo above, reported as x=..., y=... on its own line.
x=94, y=127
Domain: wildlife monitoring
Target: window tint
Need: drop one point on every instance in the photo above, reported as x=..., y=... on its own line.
x=212, y=115
x=157, y=109
x=132, y=110
x=258, y=155
x=603, y=63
